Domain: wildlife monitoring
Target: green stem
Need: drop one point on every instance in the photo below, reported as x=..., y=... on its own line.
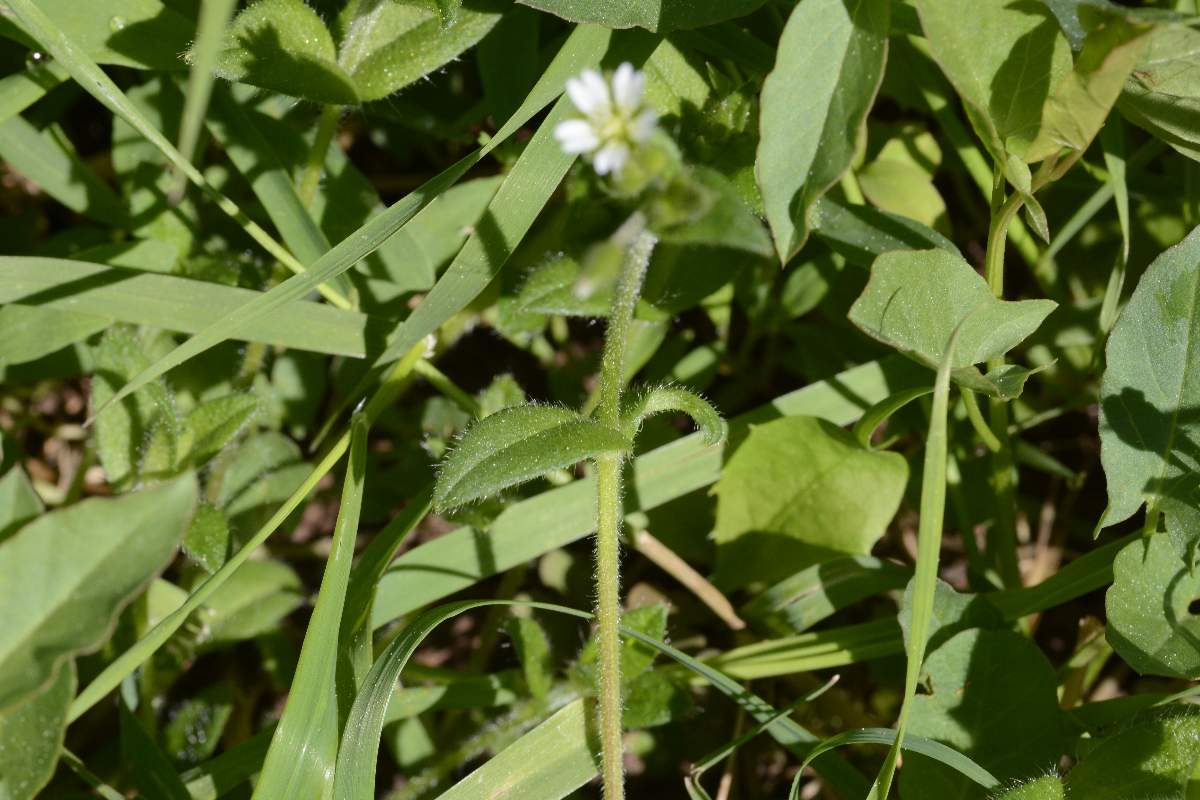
x=315, y=166
x=640, y=244
x=1003, y=536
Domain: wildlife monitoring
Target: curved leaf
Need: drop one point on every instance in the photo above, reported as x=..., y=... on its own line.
x=662, y=399
x=1150, y=394
x=31, y=736
x=516, y=445
x=69, y=605
x=814, y=106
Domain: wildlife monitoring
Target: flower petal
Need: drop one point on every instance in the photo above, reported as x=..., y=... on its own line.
x=610, y=158
x=576, y=136
x=643, y=125
x=627, y=86
x=588, y=92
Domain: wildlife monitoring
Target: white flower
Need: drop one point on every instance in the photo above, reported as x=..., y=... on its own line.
x=614, y=120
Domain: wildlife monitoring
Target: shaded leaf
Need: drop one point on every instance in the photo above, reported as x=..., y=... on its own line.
x=516, y=445
x=993, y=698
x=1004, y=65
x=1150, y=620
x=802, y=490
x=283, y=45
x=214, y=424
x=1149, y=420
x=1163, y=94
x=69, y=605
x=19, y=503
x=814, y=105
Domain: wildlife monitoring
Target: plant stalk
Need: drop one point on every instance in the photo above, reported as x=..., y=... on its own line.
x=640, y=244
x=1003, y=538
x=314, y=168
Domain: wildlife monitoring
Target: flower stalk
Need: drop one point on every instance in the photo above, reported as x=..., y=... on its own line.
x=639, y=244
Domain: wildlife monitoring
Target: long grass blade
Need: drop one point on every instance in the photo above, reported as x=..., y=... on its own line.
x=210, y=30
x=929, y=543
x=304, y=747
x=177, y=304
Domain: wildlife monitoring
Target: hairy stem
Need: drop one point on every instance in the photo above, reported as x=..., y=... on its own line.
x=1003, y=540
x=640, y=244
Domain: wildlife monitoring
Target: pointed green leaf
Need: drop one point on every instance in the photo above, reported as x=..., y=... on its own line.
x=283, y=45
x=814, y=105
x=1077, y=107
x=69, y=605
x=516, y=445
x=215, y=423
x=916, y=299
x=1003, y=64
x=1149, y=412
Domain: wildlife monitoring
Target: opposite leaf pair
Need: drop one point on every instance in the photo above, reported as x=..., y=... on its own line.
x=521, y=443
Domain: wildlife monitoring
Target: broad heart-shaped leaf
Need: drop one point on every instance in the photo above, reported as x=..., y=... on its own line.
x=31, y=736
x=814, y=104
x=798, y=491
x=1163, y=94
x=1003, y=57
x=284, y=46
x=1047, y=787
x=1150, y=394
x=660, y=16
x=1149, y=621
x=1077, y=107
x=993, y=698
x=1152, y=758
x=916, y=299
x=516, y=445
x=68, y=605
x=388, y=44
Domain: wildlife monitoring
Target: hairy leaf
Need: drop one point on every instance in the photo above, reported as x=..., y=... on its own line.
x=653, y=15
x=31, y=736
x=516, y=445
x=1155, y=757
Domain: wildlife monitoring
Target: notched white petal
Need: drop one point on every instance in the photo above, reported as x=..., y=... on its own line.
x=576, y=136
x=611, y=158
x=627, y=86
x=643, y=125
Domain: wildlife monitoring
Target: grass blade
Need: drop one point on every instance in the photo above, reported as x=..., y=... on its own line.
x=303, y=750
x=210, y=30
x=22, y=89
x=176, y=304
x=929, y=543
x=916, y=744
